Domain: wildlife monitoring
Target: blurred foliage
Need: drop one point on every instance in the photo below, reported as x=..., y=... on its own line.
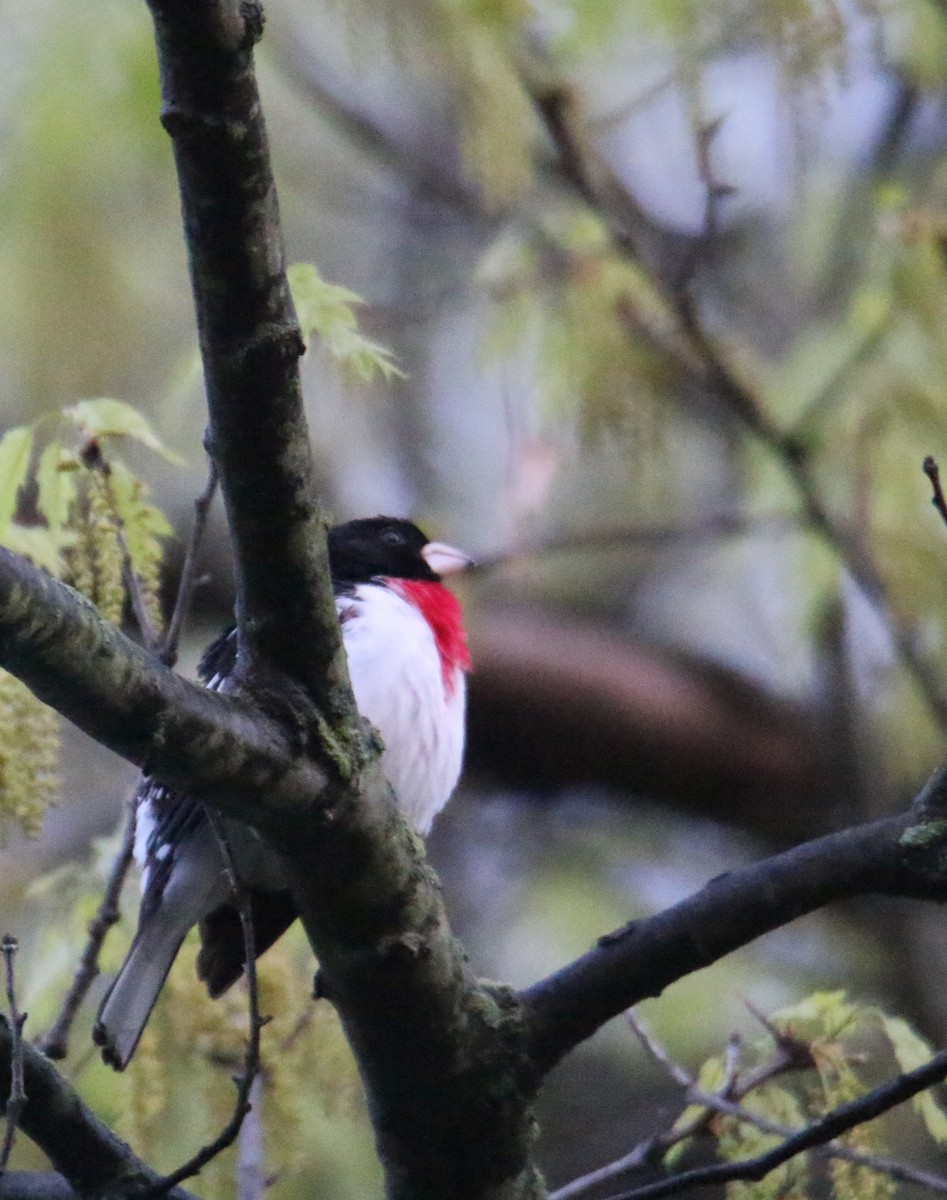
x=78, y=515
x=838, y=1041
x=328, y=310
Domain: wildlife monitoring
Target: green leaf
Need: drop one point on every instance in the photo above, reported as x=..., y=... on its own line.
x=41, y=546
x=821, y=1014
x=56, y=485
x=712, y=1075
x=106, y=417
x=911, y=1052
x=15, y=448
x=328, y=310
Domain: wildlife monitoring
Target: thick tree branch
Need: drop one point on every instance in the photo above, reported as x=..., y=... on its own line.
x=83, y=1150
x=217, y=747
x=250, y=344
x=34, y=1185
x=901, y=856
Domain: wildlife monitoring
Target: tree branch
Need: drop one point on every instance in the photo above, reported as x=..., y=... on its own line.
x=55, y=1042
x=250, y=345
x=17, y=1096
x=83, y=1150
x=426, y=1036
x=182, y=601
x=218, y=748
x=838, y=1121
x=898, y=856
x=704, y=362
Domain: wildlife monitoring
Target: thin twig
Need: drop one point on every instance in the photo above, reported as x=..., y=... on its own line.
x=55, y=1042
x=816, y=1136
x=150, y=634
x=651, y=1150
x=724, y=1102
x=731, y=1064
x=17, y=1098
x=715, y=190
x=647, y=1153
x=651, y=1044
x=182, y=603
x=726, y=525
x=887, y=1166
x=251, y=1063
x=251, y=1149
x=932, y=471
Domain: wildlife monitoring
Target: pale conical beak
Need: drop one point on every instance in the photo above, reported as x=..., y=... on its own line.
x=444, y=559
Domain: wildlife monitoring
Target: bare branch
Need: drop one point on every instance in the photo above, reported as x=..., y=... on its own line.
x=35, y=1185
x=932, y=471
x=715, y=190
x=703, y=361
x=888, y=857
x=816, y=1135
x=657, y=1051
x=791, y=1055
x=217, y=748
x=903, y=1172
x=252, y=1181
x=16, y=1098
x=653, y=1149
x=182, y=602
x=55, y=1042
x=250, y=345
x=81, y=1148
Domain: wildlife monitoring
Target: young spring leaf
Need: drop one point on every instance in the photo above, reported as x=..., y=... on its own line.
x=328, y=310
x=56, y=485
x=106, y=417
x=16, y=445
x=912, y=1051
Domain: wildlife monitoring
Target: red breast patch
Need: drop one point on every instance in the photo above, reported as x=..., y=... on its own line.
x=443, y=612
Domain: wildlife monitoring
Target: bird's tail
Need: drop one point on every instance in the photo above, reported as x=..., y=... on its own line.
x=129, y=1001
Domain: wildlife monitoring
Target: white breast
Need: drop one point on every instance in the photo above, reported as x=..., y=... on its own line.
x=399, y=686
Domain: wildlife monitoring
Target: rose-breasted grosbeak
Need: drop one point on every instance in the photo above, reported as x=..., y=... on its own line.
x=407, y=653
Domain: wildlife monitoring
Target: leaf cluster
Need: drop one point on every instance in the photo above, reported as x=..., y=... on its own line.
x=82, y=514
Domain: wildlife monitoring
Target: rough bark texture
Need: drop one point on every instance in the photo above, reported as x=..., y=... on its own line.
x=57, y=643
x=250, y=344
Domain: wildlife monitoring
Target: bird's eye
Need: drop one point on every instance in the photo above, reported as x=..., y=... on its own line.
x=393, y=537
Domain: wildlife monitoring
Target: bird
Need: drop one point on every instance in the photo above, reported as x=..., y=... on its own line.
x=406, y=645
